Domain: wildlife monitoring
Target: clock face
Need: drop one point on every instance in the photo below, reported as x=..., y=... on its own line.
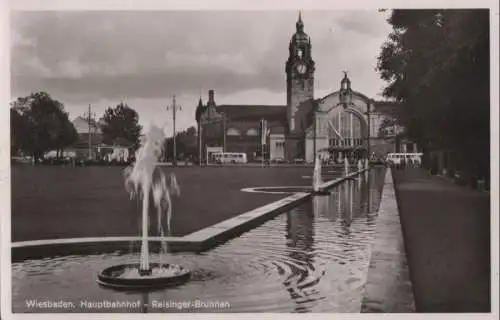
x=301, y=68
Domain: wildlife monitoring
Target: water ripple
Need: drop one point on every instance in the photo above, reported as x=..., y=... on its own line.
x=313, y=258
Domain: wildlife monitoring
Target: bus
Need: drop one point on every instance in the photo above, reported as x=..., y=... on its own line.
x=397, y=158
x=230, y=157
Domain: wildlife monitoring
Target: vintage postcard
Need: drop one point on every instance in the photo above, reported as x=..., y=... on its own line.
x=235, y=158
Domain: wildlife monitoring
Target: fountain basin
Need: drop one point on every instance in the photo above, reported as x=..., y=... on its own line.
x=128, y=276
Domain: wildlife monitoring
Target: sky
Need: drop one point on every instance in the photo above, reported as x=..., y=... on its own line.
x=143, y=58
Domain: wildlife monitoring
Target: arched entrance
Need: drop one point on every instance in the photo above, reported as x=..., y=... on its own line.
x=342, y=124
x=347, y=134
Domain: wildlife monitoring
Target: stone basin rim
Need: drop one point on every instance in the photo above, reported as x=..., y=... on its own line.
x=105, y=278
x=90, y=240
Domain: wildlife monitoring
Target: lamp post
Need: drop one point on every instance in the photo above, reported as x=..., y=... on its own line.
x=174, y=110
x=200, y=143
x=90, y=117
x=369, y=133
x=315, y=136
x=224, y=132
x=263, y=138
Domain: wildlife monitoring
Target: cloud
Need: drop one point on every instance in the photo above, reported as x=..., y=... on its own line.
x=83, y=57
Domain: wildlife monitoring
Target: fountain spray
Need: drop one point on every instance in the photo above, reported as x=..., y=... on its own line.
x=147, y=183
x=346, y=166
x=139, y=182
x=317, y=181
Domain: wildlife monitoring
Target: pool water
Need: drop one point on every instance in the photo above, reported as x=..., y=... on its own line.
x=313, y=258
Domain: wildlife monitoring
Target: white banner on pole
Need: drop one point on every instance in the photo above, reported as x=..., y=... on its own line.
x=263, y=132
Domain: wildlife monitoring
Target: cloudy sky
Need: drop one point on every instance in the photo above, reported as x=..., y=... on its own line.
x=145, y=57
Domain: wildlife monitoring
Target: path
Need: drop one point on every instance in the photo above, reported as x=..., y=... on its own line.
x=446, y=231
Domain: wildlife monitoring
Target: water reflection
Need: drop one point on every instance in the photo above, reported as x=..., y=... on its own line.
x=349, y=200
x=312, y=259
x=300, y=251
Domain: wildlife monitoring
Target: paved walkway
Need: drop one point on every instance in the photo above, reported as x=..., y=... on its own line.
x=446, y=230
x=388, y=287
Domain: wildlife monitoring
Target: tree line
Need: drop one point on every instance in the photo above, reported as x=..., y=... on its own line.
x=40, y=124
x=186, y=146
x=437, y=65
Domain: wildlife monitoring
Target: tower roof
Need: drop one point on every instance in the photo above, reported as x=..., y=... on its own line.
x=299, y=25
x=345, y=80
x=300, y=36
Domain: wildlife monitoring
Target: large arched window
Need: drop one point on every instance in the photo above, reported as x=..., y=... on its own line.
x=233, y=132
x=252, y=132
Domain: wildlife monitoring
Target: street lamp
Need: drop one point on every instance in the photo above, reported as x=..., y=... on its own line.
x=90, y=118
x=369, y=132
x=224, y=132
x=315, y=108
x=174, y=110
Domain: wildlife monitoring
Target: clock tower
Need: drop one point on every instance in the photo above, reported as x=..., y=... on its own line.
x=299, y=75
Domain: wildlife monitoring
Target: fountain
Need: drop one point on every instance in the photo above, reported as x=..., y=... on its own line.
x=360, y=165
x=317, y=180
x=346, y=166
x=322, y=257
x=367, y=166
x=140, y=183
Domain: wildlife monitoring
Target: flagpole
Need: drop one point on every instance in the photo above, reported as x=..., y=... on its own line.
x=261, y=142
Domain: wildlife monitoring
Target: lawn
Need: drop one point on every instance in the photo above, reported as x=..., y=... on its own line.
x=51, y=202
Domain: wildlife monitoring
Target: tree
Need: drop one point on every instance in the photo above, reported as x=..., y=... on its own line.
x=436, y=63
x=19, y=132
x=40, y=124
x=67, y=134
x=121, y=124
x=186, y=145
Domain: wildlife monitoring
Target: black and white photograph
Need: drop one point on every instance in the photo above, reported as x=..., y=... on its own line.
x=297, y=159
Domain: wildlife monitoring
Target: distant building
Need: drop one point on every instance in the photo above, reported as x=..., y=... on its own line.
x=86, y=133
x=119, y=150
x=340, y=122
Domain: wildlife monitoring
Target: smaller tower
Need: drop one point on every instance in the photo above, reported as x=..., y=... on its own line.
x=345, y=84
x=211, y=104
x=345, y=94
x=211, y=99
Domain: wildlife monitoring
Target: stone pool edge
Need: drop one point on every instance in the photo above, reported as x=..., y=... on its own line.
x=198, y=241
x=221, y=232
x=388, y=288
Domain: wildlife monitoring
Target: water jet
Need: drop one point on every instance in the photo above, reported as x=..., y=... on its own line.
x=140, y=183
x=317, y=180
